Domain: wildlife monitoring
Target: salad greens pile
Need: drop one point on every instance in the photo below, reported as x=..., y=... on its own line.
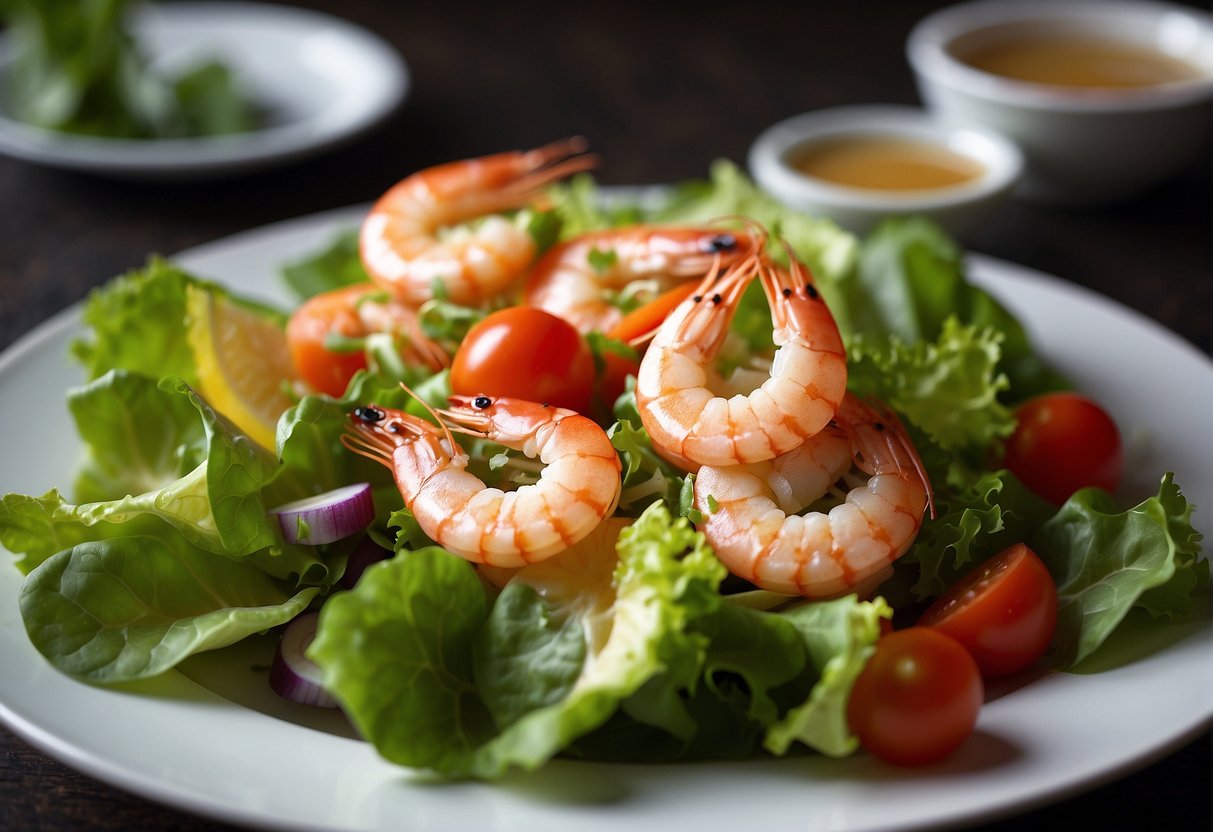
x=633, y=645
x=76, y=67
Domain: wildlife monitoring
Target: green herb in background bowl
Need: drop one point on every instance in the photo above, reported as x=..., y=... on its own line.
x=77, y=67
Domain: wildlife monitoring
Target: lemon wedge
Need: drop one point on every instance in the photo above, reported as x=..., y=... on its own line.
x=242, y=361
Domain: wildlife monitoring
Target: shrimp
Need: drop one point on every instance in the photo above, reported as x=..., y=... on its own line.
x=407, y=247
x=349, y=314
x=578, y=487
x=690, y=423
x=571, y=279
x=752, y=524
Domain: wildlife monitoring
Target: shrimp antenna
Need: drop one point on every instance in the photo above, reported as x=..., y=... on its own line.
x=801, y=270
x=446, y=430
x=359, y=444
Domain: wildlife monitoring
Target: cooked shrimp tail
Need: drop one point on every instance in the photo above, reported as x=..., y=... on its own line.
x=413, y=245
x=577, y=488
x=752, y=513
x=574, y=280
x=678, y=391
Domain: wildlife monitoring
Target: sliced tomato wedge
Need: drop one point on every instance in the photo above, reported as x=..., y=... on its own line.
x=1004, y=612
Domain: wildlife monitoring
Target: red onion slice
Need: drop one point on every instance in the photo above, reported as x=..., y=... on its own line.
x=327, y=517
x=292, y=675
x=365, y=553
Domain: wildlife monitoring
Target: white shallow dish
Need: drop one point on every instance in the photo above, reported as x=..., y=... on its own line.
x=959, y=208
x=321, y=80
x=229, y=750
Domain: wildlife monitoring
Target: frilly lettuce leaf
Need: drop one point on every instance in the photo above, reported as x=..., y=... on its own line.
x=137, y=323
x=948, y=387
x=975, y=521
x=131, y=607
x=910, y=280
x=1105, y=562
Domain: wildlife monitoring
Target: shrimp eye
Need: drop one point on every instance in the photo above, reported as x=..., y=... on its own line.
x=722, y=242
x=716, y=298
x=369, y=414
x=787, y=293
x=810, y=290
x=481, y=402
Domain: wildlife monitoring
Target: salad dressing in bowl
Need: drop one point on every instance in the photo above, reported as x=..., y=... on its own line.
x=884, y=163
x=858, y=165
x=1076, y=60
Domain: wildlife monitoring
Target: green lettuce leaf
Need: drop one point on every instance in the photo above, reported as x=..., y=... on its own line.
x=647, y=477
x=332, y=267
x=666, y=576
x=218, y=506
x=76, y=67
x=136, y=322
x=1106, y=561
x=974, y=522
x=948, y=387
x=132, y=607
x=396, y=651
x=137, y=437
x=910, y=280
x=839, y=636
x=434, y=680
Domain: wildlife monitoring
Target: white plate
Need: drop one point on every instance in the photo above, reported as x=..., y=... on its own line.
x=175, y=741
x=322, y=81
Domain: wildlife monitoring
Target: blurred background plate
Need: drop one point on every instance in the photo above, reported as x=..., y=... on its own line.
x=319, y=80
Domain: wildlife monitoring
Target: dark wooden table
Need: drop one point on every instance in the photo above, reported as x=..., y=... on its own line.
x=660, y=93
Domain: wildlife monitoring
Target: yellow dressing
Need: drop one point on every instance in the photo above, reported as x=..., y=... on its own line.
x=887, y=163
x=1078, y=61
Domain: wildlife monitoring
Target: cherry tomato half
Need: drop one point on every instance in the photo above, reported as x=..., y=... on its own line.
x=1004, y=612
x=525, y=353
x=1064, y=442
x=311, y=330
x=917, y=698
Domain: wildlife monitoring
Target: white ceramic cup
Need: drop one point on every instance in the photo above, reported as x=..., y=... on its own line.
x=958, y=208
x=1081, y=145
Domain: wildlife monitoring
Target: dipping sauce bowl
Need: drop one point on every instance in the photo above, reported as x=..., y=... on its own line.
x=859, y=165
x=1106, y=99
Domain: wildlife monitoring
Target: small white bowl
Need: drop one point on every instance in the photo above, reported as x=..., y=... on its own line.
x=1082, y=145
x=321, y=80
x=958, y=208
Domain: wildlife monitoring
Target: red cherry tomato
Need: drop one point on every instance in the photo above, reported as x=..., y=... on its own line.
x=917, y=699
x=1004, y=612
x=310, y=330
x=525, y=353
x=1064, y=442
